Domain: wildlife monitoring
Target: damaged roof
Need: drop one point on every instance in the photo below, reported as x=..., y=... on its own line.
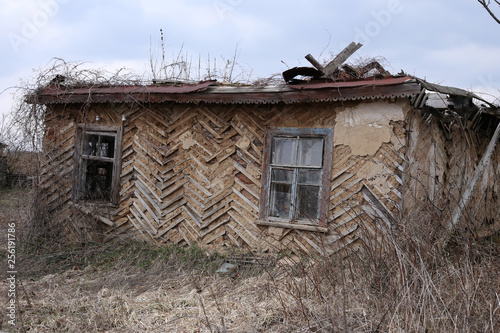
x=211, y=92
x=438, y=97
x=332, y=82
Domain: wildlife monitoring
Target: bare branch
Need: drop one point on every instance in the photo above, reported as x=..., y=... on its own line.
x=486, y=5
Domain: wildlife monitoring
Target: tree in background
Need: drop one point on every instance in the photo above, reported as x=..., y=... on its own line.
x=486, y=4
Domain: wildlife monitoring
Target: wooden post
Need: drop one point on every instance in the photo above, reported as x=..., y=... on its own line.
x=457, y=214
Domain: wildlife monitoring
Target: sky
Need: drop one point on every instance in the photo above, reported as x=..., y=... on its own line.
x=450, y=42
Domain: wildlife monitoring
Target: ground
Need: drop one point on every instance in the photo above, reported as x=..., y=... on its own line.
x=133, y=287
x=128, y=286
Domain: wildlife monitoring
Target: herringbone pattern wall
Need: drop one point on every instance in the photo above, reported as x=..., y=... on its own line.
x=192, y=174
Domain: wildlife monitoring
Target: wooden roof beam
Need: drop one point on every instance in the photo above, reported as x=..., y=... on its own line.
x=315, y=63
x=333, y=65
x=341, y=58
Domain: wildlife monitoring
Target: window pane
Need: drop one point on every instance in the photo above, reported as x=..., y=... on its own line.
x=311, y=152
x=282, y=175
x=308, y=202
x=98, y=176
x=309, y=177
x=285, y=151
x=280, y=205
x=107, y=146
x=90, y=145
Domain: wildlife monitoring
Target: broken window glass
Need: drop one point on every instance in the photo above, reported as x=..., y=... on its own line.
x=310, y=152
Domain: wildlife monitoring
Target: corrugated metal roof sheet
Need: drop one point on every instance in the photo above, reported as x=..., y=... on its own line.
x=210, y=93
x=356, y=83
x=62, y=94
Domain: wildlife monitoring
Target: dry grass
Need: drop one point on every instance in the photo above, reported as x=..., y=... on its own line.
x=132, y=287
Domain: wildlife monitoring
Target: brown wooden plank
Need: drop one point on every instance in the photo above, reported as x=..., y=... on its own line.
x=292, y=226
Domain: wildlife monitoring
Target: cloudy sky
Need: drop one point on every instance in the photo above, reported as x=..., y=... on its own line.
x=452, y=42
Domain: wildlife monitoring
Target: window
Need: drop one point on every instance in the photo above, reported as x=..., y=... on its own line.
x=97, y=167
x=295, y=182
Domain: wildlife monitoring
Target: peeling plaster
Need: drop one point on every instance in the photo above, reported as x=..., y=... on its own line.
x=365, y=127
x=187, y=140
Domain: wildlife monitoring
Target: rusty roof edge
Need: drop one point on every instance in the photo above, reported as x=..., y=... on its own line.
x=65, y=94
x=287, y=97
x=373, y=81
x=180, y=88
x=208, y=92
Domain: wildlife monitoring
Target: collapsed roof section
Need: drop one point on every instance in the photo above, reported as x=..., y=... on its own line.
x=452, y=105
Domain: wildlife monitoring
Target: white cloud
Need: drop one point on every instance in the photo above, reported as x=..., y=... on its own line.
x=468, y=56
x=8, y=88
x=469, y=66
x=181, y=14
x=440, y=47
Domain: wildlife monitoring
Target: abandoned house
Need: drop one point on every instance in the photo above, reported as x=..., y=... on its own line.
x=329, y=159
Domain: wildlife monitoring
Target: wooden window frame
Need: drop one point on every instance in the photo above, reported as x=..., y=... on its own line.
x=79, y=180
x=318, y=224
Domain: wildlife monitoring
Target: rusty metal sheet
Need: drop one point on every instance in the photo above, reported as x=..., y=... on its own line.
x=356, y=83
x=54, y=93
x=291, y=73
x=205, y=92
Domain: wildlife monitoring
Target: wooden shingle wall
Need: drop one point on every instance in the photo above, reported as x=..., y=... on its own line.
x=192, y=173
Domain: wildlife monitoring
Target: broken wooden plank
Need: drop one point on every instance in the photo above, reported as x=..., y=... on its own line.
x=374, y=65
x=341, y=58
x=315, y=63
x=292, y=226
x=88, y=211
